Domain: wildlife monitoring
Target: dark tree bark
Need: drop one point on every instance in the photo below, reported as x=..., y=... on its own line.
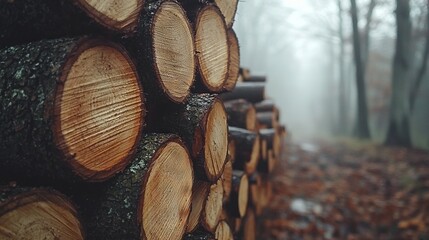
x=33, y=79
x=361, y=129
x=238, y=201
x=241, y=114
x=247, y=149
x=23, y=21
x=199, y=234
x=250, y=91
x=115, y=209
x=399, y=127
x=260, y=79
x=266, y=119
x=192, y=122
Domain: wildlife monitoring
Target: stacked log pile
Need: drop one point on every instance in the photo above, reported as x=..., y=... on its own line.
x=111, y=126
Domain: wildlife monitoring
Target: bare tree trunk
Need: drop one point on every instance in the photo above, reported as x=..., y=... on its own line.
x=362, y=130
x=342, y=111
x=367, y=30
x=399, y=129
x=422, y=69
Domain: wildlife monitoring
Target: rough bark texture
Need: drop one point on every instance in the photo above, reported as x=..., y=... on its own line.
x=244, y=141
x=252, y=92
x=23, y=21
x=29, y=78
x=141, y=48
x=267, y=105
x=362, y=129
x=238, y=111
x=112, y=210
x=399, y=127
x=189, y=122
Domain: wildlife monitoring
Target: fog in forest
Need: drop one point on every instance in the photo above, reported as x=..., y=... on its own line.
x=297, y=45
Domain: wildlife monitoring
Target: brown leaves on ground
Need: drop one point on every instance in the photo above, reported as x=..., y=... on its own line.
x=327, y=191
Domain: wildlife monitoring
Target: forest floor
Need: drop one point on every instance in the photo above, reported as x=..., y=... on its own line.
x=348, y=190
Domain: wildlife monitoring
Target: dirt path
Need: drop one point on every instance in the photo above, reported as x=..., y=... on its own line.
x=348, y=191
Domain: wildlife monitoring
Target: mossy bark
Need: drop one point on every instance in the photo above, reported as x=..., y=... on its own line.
x=30, y=76
x=112, y=210
x=23, y=21
x=199, y=234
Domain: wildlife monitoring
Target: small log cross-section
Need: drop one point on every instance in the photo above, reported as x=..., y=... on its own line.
x=247, y=149
x=200, y=191
x=239, y=195
x=212, y=50
x=151, y=199
x=37, y=214
x=227, y=180
x=234, y=61
x=202, y=123
x=241, y=114
x=273, y=138
x=252, y=92
x=223, y=231
x=164, y=49
x=212, y=209
x=70, y=109
x=266, y=119
x=23, y=21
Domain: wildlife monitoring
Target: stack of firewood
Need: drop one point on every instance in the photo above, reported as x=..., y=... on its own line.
x=111, y=126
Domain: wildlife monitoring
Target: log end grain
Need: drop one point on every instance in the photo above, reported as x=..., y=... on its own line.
x=118, y=15
x=200, y=190
x=252, y=164
x=211, y=44
x=168, y=187
x=223, y=231
x=173, y=50
x=243, y=194
x=213, y=207
x=228, y=9
x=98, y=110
x=234, y=60
x=227, y=180
x=37, y=214
x=216, y=141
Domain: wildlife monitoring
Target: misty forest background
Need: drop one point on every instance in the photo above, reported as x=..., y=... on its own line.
x=353, y=68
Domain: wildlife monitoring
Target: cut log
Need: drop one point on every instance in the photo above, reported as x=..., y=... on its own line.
x=234, y=60
x=264, y=149
x=151, y=199
x=23, y=21
x=228, y=9
x=227, y=180
x=202, y=122
x=164, y=49
x=272, y=137
x=266, y=120
x=241, y=114
x=212, y=207
x=200, y=191
x=245, y=73
x=249, y=225
x=268, y=105
x=267, y=165
x=272, y=161
x=247, y=149
x=211, y=45
x=250, y=91
x=223, y=231
x=261, y=79
x=239, y=195
x=70, y=109
x=37, y=214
